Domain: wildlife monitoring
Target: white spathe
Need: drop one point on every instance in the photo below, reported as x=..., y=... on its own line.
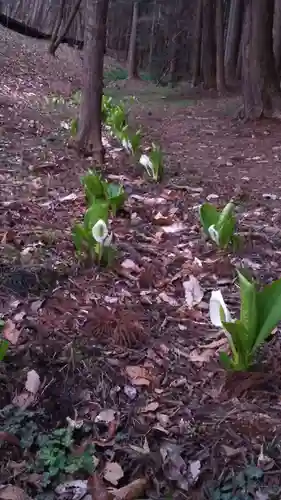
x=214, y=235
x=146, y=162
x=215, y=305
x=100, y=231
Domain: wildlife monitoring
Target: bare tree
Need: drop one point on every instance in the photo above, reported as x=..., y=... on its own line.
x=57, y=26
x=132, y=53
x=89, y=129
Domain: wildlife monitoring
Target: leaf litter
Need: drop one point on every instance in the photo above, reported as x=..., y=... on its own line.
x=180, y=388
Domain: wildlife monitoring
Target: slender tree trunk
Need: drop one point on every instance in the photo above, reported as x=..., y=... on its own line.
x=151, y=42
x=57, y=26
x=220, y=47
x=196, y=60
x=89, y=136
x=132, y=54
x=233, y=37
x=258, y=59
x=277, y=36
x=65, y=29
x=208, y=56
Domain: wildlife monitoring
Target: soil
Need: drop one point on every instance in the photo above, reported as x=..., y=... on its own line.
x=83, y=329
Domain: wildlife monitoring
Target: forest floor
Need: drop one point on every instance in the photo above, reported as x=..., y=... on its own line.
x=128, y=352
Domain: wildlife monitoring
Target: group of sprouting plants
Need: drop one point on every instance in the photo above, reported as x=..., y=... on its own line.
x=260, y=308
x=115, y=120
x=92, y=238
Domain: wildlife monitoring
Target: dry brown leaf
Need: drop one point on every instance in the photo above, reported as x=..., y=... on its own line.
x=97, y=488
x=113, y=472
x=162, y=220
x=10, y=332
x=150, y=407
x=11, y=492
x=132, y=491
x=32, y=383
x=23, y=400
x=203, y=357
x=138, y=375
x=176, y=227
x=106, y=416
x=9, y=438
x=193, y=292
x=168, y=299
x=130, y=265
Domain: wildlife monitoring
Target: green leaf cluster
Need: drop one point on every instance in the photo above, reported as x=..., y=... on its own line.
x=260, y=313
x=219, y=225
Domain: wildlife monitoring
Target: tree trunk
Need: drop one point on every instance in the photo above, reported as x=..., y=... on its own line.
x=233, y=37
x=57, y=26
x=89, y=137
x=151, y=42
x=197, y=46
x=277, y=36
x=208, y=56
x=132, y=53
x=220, y=47
x=54, y=46
x=258, y=59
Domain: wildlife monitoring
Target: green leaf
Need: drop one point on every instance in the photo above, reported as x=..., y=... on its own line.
x=74, y=126
x=98, y=210
x=269, y=310
x=208, y=216
x=248, y=308
x=225, y=360
x=240, y=346
x=93, y=186
x=79, y=236
x=226, y=224
x=4, y=344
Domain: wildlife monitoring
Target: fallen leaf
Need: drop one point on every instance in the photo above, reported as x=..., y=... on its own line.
x=194, y=470
x=212, y=196
x=138, y=375
x=162, y=220
x=130, y=265
x=23, y=400
x=10, y=492
x=105, y=416
x=113, y=472
x=131, y=491
x=232, y=452
x=150, y=407
x=10, y=332
x=97, y=488
x=203, y=357
x=193, y=292
x=75, y=490
x=32, y=383
x=130, y=391
x=168, y=299
x=69, y=197
x=9, y=438
x=176, y=227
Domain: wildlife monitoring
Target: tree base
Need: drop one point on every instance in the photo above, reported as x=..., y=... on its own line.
x=87, y=150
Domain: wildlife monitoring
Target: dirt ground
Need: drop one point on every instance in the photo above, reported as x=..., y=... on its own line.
x=124, y=341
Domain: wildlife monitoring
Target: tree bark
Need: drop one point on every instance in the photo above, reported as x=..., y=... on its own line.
x=208, y=56
x=258, y=59
x=233, y=37
x=220, y=47
x=54, y=46
x=277, y=36
x=196, y=60
x=89, y=137
x=132, y=53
